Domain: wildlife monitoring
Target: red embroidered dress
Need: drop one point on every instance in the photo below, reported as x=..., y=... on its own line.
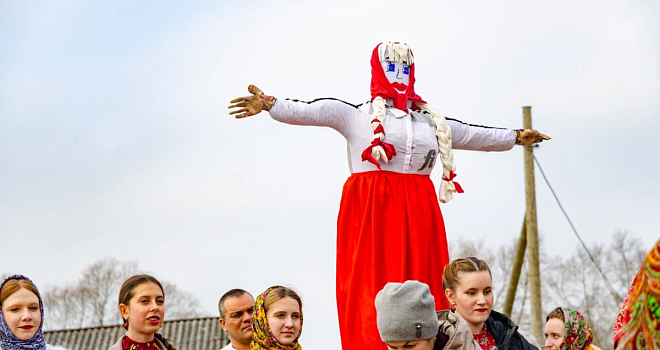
x=130, y=344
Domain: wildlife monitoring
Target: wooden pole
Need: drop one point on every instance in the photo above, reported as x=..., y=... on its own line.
x=517, y=267
x=532, y=235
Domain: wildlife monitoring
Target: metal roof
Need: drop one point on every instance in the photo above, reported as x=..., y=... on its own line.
x=188, y=334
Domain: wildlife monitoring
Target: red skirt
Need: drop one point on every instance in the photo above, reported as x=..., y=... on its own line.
x=389, y=229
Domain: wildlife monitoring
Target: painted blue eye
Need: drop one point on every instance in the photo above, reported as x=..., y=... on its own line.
x=390, y=67
x=406, y=70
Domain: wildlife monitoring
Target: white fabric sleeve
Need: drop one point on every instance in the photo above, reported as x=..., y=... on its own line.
x=480, y=138
x=332, y=113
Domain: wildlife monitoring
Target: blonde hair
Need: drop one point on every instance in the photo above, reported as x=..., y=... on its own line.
x=443, y=135
x=278, y=293
x=452, y=274
x=398, y=52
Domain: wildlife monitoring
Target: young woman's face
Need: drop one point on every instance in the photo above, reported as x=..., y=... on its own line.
x=473, y=297
x=554, y=334
x=22, y=314
x=426, y=344
x=284, y=320
x=145, y=311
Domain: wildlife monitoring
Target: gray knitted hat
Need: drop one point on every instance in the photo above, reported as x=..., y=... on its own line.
x=406, y=312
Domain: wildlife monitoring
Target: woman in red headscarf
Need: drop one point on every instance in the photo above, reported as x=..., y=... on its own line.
x=390, y=228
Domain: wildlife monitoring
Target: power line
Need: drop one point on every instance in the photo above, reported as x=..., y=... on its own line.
x=577, y=235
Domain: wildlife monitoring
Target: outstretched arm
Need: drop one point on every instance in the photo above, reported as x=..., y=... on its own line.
x=485, y=138
x=333, y=113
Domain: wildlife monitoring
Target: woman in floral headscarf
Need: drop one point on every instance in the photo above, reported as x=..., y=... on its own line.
x=566, y=329
x=637, y=326
x=21, y=316
x=277, y=320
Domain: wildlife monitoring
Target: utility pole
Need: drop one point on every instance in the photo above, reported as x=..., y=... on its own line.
x=532, y=235
x=517, y=267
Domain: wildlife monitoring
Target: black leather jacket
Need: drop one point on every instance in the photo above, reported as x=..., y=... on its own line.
x=506, y=333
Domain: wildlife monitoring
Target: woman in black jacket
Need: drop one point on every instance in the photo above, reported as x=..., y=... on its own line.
x=468, y=288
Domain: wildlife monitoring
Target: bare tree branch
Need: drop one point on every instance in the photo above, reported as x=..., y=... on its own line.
x=92, y=300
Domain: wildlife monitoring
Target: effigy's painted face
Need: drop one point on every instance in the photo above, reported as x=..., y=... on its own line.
x=397, y=73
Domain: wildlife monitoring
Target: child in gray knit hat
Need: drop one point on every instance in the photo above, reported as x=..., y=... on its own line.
x=406, y=316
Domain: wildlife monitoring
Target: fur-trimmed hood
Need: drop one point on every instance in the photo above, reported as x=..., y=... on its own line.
x=454, y=333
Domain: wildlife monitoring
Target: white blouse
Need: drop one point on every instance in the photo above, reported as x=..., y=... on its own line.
x=412, y=134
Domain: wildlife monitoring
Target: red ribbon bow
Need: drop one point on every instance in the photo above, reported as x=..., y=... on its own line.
x=459, y=189
x=388, y=147
x=379, y=128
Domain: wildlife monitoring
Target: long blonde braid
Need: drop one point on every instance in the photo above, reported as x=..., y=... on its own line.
x=443, y=135
x=378, y=105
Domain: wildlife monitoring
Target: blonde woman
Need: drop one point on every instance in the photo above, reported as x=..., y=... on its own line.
x=469, y=289
x=277, y=320
x=390, y=228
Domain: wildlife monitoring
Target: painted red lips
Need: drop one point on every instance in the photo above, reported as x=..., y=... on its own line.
x=399, y=86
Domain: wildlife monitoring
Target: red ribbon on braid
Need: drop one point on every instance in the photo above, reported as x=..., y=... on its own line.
x=459, y=189
x=379, y=128
x=387, y=147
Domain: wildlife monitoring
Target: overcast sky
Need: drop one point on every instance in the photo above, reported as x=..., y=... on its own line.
x=115, y=138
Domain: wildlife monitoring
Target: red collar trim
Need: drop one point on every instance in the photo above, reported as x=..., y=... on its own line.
x=130, y=344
